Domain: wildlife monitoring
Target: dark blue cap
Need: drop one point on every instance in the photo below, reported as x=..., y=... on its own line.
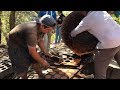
x=47, y=20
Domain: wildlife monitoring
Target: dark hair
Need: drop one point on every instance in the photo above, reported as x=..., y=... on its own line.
x=84, y=41
x=45, y=26
x=59, y=11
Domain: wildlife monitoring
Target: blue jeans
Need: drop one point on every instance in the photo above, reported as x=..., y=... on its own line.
x=58, y=34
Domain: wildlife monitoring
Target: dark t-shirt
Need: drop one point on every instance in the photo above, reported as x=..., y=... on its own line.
x=25, y=34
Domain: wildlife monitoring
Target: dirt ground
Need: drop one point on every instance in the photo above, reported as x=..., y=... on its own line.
x=64, y=67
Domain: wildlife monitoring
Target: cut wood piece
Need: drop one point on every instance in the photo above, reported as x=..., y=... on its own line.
x=56, y=70
x=69, y=72
x=53, y=77
x=64, y=77
x=35, y=76
x=61, y=73
x=52, y=73
x=48, y=76
x=81, y=75
x=57, y=76
x=52, y=67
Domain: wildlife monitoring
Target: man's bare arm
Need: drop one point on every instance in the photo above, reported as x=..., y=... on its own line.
x=42, y=47
x=36, y=56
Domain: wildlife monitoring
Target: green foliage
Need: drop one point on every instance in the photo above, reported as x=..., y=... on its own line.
x=21, y=17
x=25, y=16
x=116, y=19
x=66, y=12
x=5, y=21
x=5, y=25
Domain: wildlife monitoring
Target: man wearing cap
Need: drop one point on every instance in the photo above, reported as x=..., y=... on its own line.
x=22, y=41
x=47, y=37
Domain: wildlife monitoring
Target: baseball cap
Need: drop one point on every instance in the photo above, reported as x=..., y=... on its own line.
x=47, y=20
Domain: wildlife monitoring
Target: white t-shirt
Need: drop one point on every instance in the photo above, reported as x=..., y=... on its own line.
x=102, y=26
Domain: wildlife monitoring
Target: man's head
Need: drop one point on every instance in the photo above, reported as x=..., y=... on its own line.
x=83, y=42
x=47, y=23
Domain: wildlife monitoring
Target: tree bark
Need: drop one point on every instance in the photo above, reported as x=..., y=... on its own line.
x=0, y=26
x=12, y=20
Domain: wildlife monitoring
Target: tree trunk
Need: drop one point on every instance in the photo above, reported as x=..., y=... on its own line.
x=12, y=20
x=0, y=26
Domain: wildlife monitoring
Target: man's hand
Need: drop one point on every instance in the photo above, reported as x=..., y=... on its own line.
x=36, y=56
x=48, y=54
x=45, y=64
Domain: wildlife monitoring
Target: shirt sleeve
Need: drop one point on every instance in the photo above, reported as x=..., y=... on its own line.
x=31, y=39
x=83, y=26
